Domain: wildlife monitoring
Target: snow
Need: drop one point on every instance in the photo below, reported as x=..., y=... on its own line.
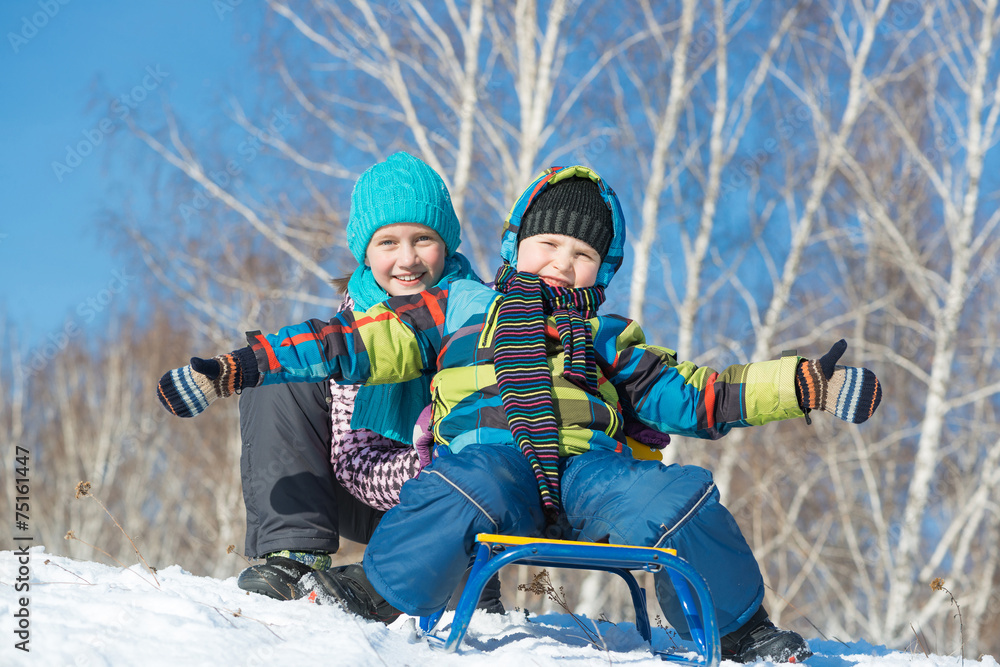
x=85, y=613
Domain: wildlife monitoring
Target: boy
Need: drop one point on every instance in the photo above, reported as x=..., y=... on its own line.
x=532, y=365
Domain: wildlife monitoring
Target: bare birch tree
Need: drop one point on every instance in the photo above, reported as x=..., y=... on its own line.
x=409, y=76
x=897, y=229
x=940, y=254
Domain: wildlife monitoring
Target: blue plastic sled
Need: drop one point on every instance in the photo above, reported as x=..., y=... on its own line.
x=496, y=551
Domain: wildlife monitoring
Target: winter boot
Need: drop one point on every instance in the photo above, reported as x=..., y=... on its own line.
x=489, y=600
x=759, y=639
x=349, y=587
x=277, y=575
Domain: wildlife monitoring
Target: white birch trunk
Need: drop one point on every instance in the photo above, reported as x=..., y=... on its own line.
x=666, y=130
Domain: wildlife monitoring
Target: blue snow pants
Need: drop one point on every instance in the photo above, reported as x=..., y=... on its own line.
x=420, y=550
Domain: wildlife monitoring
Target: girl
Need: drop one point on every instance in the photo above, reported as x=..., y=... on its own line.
x=321, y=460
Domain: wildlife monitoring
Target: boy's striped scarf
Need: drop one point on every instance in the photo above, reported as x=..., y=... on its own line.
x=522, y=368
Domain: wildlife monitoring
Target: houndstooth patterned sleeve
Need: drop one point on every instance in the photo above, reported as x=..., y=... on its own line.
x=371, y=467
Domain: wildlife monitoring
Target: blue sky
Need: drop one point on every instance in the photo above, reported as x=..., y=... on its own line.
x=55, y=270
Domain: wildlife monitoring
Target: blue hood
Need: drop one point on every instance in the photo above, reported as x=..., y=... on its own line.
x=616, y=252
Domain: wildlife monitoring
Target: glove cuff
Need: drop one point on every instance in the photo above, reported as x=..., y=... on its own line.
x=239, y=370
x=248, y=364
x=810, y=385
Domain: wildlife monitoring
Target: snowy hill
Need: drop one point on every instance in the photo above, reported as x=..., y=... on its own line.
x=84, y=613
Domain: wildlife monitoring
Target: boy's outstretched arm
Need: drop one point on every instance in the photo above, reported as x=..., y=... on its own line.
x=684, y=399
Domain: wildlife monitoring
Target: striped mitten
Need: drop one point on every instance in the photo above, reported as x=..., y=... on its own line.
x=188, y=391
x=852, y=394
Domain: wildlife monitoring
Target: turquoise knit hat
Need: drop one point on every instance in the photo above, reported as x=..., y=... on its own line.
x=401, y=189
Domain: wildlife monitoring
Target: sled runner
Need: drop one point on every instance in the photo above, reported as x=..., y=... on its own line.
x=496, y=551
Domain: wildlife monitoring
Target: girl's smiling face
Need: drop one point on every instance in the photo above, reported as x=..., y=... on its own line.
x=406, y=258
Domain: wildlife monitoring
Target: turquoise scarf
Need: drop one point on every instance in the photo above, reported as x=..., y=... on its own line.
x=408, y=398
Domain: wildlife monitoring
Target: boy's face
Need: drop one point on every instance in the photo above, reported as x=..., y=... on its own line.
x=560, y=261
x=406, y=258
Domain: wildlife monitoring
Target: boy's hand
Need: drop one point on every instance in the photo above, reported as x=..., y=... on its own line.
x=650, y=437
x=189, y=390
x=423, y=437
x=851, y=394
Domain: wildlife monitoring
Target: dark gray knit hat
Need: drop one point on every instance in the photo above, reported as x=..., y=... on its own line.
x=573, y=207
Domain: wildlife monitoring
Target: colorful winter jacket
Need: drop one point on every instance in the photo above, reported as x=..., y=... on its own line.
x=448, y=333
